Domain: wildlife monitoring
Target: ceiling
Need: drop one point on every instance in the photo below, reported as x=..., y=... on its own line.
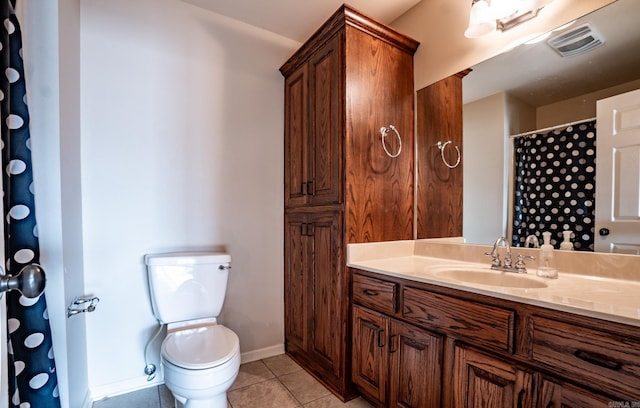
x=538, y=76
x=298, y=19
x=535, y=74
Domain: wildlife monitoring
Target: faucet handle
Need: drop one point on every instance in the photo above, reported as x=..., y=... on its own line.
x=495, y=258
x=520, y=265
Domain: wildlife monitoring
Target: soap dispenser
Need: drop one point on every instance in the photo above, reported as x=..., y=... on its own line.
x=566, y=244
x=546, y=266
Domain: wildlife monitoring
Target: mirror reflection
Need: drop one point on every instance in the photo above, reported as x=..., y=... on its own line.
x=533, y=89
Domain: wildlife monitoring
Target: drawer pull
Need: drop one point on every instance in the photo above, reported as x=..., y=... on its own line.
x=381, y=338
x=598, y=360
x=370, y=292
x=392, y=339
x=520, y=398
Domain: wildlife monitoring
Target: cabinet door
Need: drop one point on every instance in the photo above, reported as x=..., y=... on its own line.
x=327, y=290
x=481, y=380
x=296, y=282
x=326, y=97
x=296, y=136
x=415, y=367
x=556, y=395
x=370, y=365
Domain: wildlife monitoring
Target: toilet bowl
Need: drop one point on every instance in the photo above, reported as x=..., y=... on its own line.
x=199, y=357
x=200, y=363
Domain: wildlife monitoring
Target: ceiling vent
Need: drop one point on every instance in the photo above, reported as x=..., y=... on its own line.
x=576, y=41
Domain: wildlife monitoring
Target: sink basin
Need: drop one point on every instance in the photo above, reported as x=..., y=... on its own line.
x=490, y=277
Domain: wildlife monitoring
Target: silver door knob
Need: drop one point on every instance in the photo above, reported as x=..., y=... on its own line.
x=30, y=281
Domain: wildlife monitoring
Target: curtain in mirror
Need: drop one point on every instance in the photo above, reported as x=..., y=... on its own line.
x=554, y=185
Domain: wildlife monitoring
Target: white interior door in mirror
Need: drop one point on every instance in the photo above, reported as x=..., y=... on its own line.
x=618, y=174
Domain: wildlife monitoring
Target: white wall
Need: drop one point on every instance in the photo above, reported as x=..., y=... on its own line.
x=484, y=176
x=487, y=125
x=182, y=149
x=578, y=108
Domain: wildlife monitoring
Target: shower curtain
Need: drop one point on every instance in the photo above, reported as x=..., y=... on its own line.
x=31, y=367
x=554, y=185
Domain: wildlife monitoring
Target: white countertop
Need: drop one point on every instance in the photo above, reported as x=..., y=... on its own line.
x=607, y=298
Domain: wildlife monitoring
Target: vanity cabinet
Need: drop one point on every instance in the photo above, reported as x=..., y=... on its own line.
x=394, y=363
x=486, y=351
x=350, y=79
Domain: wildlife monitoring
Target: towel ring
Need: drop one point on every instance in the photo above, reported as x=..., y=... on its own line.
x=441, y=146
x=384, y=131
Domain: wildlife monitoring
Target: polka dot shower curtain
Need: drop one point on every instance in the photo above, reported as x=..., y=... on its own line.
x=555, y=185
x=32, y=372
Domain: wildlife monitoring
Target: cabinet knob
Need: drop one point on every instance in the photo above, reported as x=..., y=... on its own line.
x=604, y=232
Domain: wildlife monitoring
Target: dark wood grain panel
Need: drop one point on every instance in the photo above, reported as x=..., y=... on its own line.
x=370, y=360
x=326, y=121
x=415, y=367
x=439, y=188
x=479, y=323
x=296, y=134
x=379, y=92
x=295, y=282
x=594, y=355
x=377, y=294
x=482, y=381
x=327, y=283
x=556, y=394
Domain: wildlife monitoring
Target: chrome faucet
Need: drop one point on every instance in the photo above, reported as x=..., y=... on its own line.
x=532, y=239
x=507, y=264
x=496, y=263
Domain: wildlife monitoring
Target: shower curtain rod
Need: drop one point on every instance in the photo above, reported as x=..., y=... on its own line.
x=549, y=129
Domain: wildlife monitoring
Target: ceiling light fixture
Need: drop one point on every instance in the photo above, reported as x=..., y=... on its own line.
x=487, y=16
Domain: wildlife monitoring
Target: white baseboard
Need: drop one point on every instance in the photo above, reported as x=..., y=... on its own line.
x=136, y=384
x=266, y=352
x=88, y=401
x=124, y=387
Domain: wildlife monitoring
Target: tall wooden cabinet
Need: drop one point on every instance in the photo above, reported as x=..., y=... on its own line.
x=350, y=79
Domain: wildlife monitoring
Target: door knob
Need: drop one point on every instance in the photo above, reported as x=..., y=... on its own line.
x=30, y=281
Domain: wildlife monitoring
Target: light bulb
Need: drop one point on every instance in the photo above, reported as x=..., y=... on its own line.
x=504, y=8
x=481, y=21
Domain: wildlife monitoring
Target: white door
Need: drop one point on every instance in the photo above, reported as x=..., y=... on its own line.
x=617, y=209
x=51, y=43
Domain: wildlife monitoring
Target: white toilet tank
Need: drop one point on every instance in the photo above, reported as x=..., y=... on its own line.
x=187, y=285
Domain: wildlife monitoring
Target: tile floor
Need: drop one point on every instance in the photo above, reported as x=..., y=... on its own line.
x=275, y=382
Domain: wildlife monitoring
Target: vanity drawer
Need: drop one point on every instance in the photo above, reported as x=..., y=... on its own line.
x=595, y=356
x=374, y=293
x=479, y=323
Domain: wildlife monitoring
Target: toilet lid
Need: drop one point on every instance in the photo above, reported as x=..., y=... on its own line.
x=200, y=347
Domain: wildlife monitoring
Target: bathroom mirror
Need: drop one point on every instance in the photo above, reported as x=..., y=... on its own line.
x=558, y=89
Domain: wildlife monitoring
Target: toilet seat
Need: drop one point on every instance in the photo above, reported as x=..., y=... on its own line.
x=199, y=348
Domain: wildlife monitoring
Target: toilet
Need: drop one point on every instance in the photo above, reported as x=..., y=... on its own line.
x=200, y=357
